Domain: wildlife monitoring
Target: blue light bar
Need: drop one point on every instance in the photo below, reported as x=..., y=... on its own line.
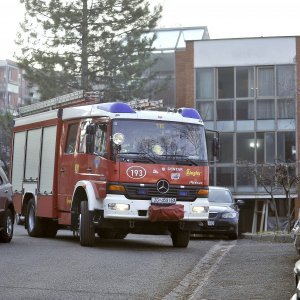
x=189, y=113
x=116, y=107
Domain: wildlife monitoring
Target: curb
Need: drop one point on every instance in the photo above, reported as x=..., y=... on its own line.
x=268, y=237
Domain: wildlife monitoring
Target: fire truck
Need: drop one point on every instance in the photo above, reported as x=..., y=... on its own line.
x=109, y=169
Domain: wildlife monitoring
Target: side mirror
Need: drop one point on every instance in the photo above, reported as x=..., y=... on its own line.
x=213, y=145
x=240, y=202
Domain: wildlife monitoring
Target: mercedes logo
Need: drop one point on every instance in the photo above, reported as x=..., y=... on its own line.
x=162, y=186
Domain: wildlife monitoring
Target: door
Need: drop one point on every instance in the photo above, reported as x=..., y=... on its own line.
x=67, y=168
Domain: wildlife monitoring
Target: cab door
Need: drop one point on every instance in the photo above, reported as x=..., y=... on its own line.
x=68, y=167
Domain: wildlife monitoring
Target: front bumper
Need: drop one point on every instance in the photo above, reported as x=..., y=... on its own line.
x=138, y=209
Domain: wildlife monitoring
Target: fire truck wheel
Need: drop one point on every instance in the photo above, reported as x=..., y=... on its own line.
x=87, y=230
x=33, y=223
x=180, y=238
x=7, y=232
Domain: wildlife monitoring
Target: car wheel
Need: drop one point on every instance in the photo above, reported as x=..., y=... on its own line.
x=86, y=228
x=180, y=238
x=7, y=232
x=234, y=235
x=33, y=223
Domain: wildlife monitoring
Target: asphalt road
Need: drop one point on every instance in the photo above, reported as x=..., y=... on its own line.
x=144, y=267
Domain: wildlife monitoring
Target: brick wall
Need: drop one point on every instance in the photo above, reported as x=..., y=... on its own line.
x=185, y=81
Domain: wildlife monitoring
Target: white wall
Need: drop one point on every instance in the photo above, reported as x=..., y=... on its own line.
x=243, y=52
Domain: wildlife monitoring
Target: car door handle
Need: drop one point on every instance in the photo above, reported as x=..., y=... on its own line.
x=62, y=170
x=6, y=191
x=89, y=170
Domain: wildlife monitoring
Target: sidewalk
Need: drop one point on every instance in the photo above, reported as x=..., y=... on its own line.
x=275, y=237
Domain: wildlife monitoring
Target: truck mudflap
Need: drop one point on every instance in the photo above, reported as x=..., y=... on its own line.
x=173, y=212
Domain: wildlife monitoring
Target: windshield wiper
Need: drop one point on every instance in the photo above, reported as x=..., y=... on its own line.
x=138, y=157
x=181, y=159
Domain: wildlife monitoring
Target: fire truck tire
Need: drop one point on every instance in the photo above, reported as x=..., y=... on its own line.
x=86, y=228
x=180, y=238
x=7, y=232
x=33, y=223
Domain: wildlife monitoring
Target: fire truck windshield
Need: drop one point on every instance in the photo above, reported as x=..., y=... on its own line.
x=161, y=140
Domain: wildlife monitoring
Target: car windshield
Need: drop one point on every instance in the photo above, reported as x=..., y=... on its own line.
x=160, y=140
x=219, y=196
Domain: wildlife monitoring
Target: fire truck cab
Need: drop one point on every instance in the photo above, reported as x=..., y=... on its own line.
x=110, y=170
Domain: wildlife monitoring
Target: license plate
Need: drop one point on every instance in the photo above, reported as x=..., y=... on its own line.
x=210, y=223
x=162, y=200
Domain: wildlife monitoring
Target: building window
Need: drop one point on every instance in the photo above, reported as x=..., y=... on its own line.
x=226, y=153
x=286, y=146
x=265, y=81
x=285, y=81
x=245, y=147
x=265, y=109
x=206, y=110
x=225, y=111
x=225, y=176
x=204, y=83
x=265, y=147
x=245, y=110
x=286, y=109
x=244, y=82
x=225, y=83
x=245, y=179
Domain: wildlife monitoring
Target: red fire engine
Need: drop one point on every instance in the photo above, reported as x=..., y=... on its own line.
x=108, y=169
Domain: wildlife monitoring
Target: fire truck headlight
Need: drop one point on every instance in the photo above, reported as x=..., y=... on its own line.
x=118, y=206
x=200, y=209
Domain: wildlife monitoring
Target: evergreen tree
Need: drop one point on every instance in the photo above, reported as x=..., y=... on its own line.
x=105, y=45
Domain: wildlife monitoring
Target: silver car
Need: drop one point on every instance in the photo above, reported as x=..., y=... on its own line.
x=7, y=211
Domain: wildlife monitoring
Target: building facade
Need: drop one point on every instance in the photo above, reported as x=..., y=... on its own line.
x=247, y=89
x=14, y=89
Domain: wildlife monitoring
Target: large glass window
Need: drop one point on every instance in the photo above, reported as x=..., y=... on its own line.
x=226, y=153
x=225, y=176
x=225, y=111
x=286, y=81
x=265, y=109
x=244, y=82
x=286, y=146
x=245, y=110
x=245, y=146
x=225, y=83
x=286, y=109
x=265, y=147
x=245, y=179
x=206, y=109
x=265, y=81
x=204, y=83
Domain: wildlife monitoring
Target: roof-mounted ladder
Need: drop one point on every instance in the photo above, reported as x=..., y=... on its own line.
x=72, y=99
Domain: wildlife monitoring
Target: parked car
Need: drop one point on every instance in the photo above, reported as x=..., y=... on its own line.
x=295, y=234
x=7, y=211
x=223, y=213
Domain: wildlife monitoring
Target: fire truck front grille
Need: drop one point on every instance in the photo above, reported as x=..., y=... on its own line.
x=147, y=191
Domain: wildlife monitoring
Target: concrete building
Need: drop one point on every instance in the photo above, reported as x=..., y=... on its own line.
x=14, y=89
x=247, y=89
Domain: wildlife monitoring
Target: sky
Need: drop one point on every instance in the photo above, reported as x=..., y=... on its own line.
x=223, y=18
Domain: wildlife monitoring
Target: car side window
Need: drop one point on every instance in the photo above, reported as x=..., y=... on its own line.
x=71, y=139
x=101, y=140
